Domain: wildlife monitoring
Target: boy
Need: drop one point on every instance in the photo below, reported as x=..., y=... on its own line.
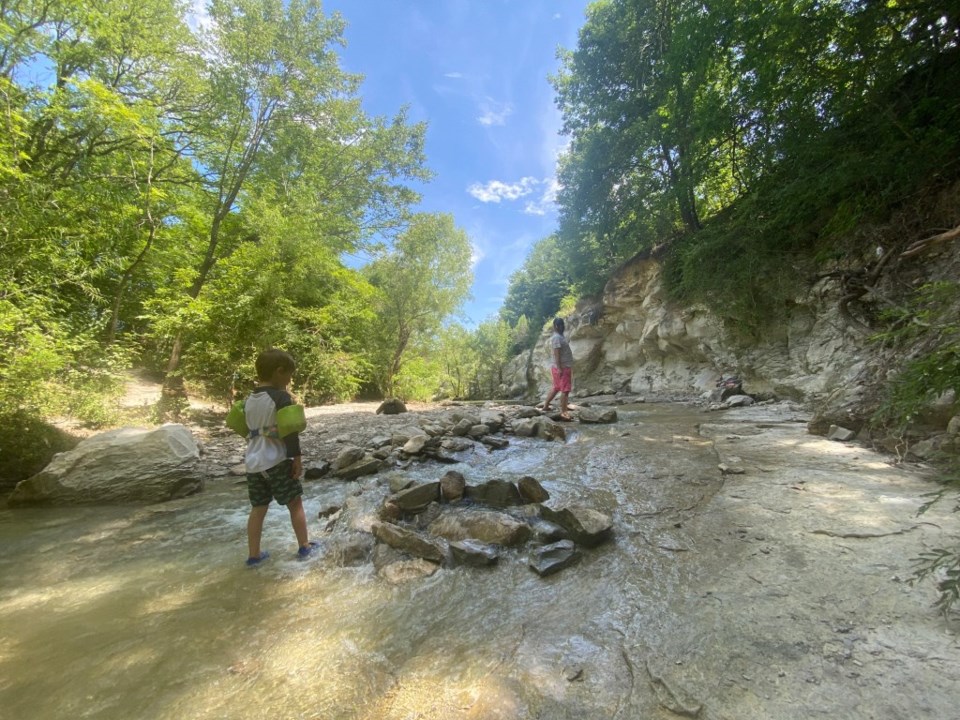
x=273, y=464
x=561, y=369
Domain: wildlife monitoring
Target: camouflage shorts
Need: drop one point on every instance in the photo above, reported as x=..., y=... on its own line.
x=273, y=484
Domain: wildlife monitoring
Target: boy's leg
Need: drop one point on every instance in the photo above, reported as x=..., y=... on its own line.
x=298, y=518
x=255, y=529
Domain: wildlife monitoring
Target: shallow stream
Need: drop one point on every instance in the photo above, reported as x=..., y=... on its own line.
x=149, y=613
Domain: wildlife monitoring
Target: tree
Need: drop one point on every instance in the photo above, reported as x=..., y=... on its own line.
x=283, y=125
x=421, y=280
x=537, y=288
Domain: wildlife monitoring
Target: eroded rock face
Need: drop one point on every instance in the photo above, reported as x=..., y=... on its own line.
x=638, y=340
x=127, y=465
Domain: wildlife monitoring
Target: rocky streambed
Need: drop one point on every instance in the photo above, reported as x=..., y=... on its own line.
x=746, y=570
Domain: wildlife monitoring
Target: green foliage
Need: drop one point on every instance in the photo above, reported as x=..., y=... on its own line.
x=185, y=200
x=927, y=330
x=538, y=287
x=420, y=281
x=751, y=137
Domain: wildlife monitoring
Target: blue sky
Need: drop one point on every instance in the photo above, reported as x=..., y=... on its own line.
x=476, y=72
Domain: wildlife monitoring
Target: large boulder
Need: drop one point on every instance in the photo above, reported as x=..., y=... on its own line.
x=127, y=465
x=392, y=406
x=485, y=526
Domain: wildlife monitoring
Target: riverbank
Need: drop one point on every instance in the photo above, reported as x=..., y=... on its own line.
x=776, y=592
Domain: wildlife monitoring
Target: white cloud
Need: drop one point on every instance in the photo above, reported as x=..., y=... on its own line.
x=494, y=113
x=454, y=75
x=495, y=190
x=556, y=16
x=477, y=254
x=547, y=201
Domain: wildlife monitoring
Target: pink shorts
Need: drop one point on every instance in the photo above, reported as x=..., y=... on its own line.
x=562, y=379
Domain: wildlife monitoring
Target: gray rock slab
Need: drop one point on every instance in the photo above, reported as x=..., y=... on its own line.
x=553, y=558
x=409, y=541
x=473, y=553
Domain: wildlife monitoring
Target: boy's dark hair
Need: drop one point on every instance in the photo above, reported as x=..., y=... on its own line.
x=558, y=325
x=269, y=361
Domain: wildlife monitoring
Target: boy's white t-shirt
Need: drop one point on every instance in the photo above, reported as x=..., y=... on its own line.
x=263, y=452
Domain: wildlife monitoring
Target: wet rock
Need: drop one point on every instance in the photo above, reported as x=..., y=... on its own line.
x=493, y=419
x=452, y=486
x=495, y=493
x=400, y=436
x=407, y=570
x=127, y=465
x=730, y=469
x=587, y=527
x=738, y=401
x=494, y=443
x=379, y=441
x=485, y=526
x=597, y=416
x=553, y=558
x=462, y=427
x=316, y=470
x=409, y=541
x=391, y=406
x=238, y=470
x=540, y=427
x=456, y=444
x=840, y=433
x=953, y=427
x=531, y=490
x=360, y=512
x=415, y=444
x=426, y=517
x=546, y=532
x=349, y=550
x=390, y=512
x=346, y=457
x=369, y=465
x=473, y=553
x=478, y=431
x=398, y=481
x=328, y=510
x=417, y=498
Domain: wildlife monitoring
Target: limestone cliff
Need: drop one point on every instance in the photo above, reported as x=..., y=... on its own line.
x=636, y=340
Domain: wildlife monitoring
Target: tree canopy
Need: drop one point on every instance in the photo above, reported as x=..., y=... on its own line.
x=753, y=131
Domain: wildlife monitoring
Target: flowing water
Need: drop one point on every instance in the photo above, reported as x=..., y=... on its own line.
x=150, y=613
